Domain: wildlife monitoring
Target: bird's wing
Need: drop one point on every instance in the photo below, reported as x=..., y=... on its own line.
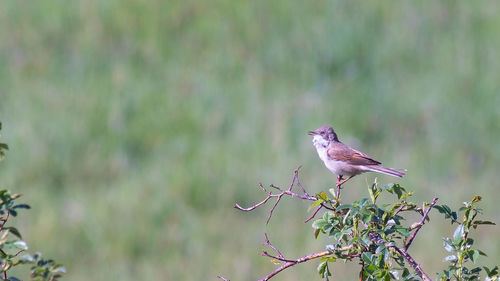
x=342, y=152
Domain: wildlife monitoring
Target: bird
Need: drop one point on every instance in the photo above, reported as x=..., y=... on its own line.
x=343, y=160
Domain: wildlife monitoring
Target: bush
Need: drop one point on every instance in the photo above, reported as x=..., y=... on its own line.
x=13, y=248
x=379, y=237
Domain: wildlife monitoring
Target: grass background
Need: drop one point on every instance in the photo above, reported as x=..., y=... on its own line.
x=135, y=125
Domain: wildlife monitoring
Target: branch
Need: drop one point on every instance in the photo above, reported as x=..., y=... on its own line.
x=289, y=192
x=222, y=278
x=289, y=263
x=422, y=222
x=418, y=269
x=375, y=237
x=4, y=220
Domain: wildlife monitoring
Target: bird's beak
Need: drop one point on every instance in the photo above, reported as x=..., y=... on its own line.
x=312, y=133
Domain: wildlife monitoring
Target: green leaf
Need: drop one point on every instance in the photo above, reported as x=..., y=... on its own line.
x=448, y=246
x=20, y=244
x=458, y=234
x=367, y=257
x=403, y=231
x=394, y=274
x=323, y=196
x=476, y=199
x=374, y=192
x=482, y=253
x=479, y=222
x=27, y=258
x=14, y=231
x=319, y=224
x=450, y=258
x=323, y=270
x=315, y=204
x=491, y=272
x=380, y=248
x=474, y=256
x=316, y=233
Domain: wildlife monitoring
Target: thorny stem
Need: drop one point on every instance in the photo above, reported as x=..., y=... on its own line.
x=422, y=222
x=418, y=269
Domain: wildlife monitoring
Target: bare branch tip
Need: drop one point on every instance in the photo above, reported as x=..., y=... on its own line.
x=222, y=278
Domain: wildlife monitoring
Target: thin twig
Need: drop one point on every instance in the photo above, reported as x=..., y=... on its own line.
x=314, y=214
x=4, y=220
x=422, y=222
x=296, y=175
x=268, y=243
x=222, y=278
x=294, y=262
x=281, y=193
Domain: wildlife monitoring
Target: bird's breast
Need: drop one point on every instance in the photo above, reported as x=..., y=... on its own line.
x=335, y=166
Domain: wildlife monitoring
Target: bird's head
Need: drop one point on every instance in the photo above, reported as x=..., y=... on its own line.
x=324, y=135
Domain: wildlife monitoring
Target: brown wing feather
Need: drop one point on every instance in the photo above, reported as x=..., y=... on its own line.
x=342, y=152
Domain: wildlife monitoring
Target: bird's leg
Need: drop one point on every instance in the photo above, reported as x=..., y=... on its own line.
x=339, y=178
x=342, y=182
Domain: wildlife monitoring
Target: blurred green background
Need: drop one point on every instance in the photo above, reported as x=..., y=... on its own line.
x=136, y=125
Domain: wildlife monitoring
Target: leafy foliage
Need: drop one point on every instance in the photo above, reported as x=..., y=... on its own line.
x=12, y=245
x=375, y=234
x=459, y=246
x=378, y=236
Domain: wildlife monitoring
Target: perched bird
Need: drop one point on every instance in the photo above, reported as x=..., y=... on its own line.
x=343, y=160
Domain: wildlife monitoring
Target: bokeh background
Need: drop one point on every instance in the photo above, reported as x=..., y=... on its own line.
x=135, y=125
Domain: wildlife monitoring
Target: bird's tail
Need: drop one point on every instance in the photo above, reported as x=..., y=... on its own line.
x=387, y=171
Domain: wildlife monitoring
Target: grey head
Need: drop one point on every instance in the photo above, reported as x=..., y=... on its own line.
x=326, y=132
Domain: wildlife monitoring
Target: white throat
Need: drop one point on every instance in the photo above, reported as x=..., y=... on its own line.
x=319, y=141
x=321, y=146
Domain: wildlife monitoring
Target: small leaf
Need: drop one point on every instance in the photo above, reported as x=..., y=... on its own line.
x=380, y=248
x=27, y=258
x=20, y=244
x=319, y=224
x=479, y=222
x=316, y=233
x=482, y=253
x=474, y=256
x=323, y=270
x=322, y=195
x=22, y=206
x=367, y=257
x=448, y=246
x=332, y=192
x=394, y=274
x=315, y=204
x=476, y=199
x=458, y=234
x=450, y=258
x=14, y=231
x=403, y=231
